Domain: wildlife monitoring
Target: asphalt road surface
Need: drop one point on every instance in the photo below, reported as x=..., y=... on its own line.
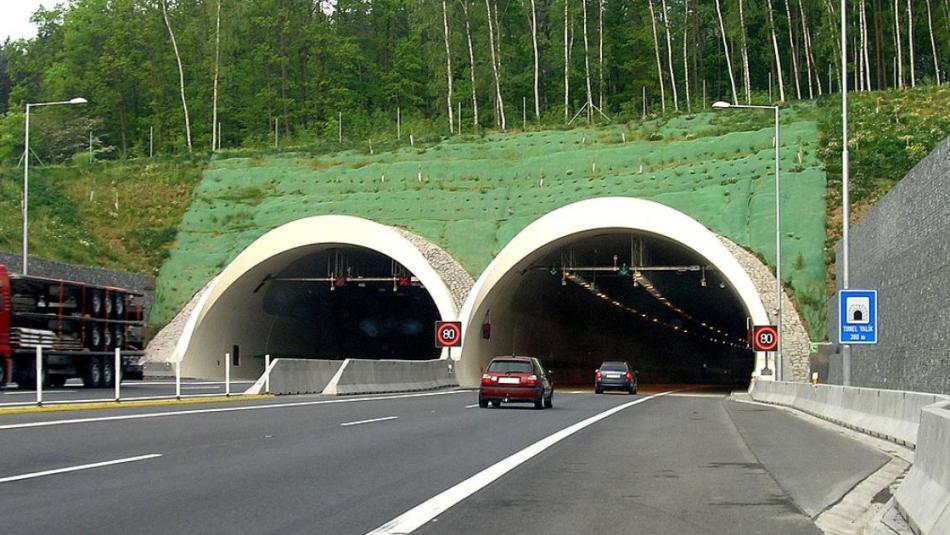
x=689, y=462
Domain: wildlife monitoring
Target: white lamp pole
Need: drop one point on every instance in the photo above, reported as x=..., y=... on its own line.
x=778, y=229
x=26, y=172
x=845, y=195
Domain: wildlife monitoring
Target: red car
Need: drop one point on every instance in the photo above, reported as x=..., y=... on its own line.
x=514, y=380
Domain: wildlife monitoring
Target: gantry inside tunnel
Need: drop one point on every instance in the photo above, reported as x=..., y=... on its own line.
x=619, y=295
x=616, y=279
x=329, y=288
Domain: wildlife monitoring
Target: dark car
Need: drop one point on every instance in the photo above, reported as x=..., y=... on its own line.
x=615, y=375
x=514, y=380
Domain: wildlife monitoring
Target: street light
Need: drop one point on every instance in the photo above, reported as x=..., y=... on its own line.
x=778, y=229
x=26, y=169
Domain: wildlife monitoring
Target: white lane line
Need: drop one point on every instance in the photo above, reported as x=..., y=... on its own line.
x=77, y=468
x=359, y=422
x=223, y=409
x=414, y=518
x=33, y=392
x=102, y=400
x=472, y=406
x=172, y=383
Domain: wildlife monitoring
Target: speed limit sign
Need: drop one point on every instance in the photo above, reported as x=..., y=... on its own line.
x=448, y=334
x=765, y=338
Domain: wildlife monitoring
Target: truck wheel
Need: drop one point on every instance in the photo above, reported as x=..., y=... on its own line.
x=96, y=304
x=107, y=341
x=92, y=374
x=118, y=337
x=119, y=306
x=108, y=373
x=94, y=337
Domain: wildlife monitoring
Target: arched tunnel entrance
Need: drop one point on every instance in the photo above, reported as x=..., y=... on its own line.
x=616, y=279
x=327, y=287
x=621, y=296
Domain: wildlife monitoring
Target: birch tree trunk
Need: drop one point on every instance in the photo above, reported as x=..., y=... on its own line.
x=897, y=41
x=214, y=91
x=499, y=102
x=181, y=74
x=910, y=43
x=448, y=65
x=534, y=39
x=806, y=44
x=933, y=44
x=590, y=99
x=471, y=61
x=567, y=63
x=778, y=57
x=866, y=47
x=859, y=49
x=689, y=105
x=725, y=48
x=659, y=65
x=746, y=78
x=794, y=50
x=600, y=69
x=669, y=55
x=835, y=43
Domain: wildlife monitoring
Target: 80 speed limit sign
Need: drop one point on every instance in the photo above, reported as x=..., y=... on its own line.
x=765, y=338
x=448, y=334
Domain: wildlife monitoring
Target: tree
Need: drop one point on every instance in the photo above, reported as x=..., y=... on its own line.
x=181, y=74
x=659, y=65
x=725, y=49
x=534, y=42
x=778, y=57
x=499, y=102
x=217, y=64
x=448, y=65
x=471, y=61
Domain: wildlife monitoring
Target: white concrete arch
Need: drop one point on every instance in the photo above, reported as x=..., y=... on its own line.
x=213, y=327
x=587, y=218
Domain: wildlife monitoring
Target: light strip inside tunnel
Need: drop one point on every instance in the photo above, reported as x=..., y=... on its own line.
x=653, y=291
x=642, y=315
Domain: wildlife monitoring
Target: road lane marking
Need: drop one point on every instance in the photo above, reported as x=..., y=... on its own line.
x=77, y=468
x=33, y=392
x=359, y=422
x=110, y=398
x=472, y=406
x=421, y=514
x=172, y=383
x=222, y=409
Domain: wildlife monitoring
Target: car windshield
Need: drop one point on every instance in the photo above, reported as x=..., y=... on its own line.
x=613, y=367
x=510, y=366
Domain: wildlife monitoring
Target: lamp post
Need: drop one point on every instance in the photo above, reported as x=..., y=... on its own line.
x=778, y=228
x=26, y=171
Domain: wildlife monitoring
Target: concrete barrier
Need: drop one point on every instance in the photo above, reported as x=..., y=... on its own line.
x=915, y=419
x=377, y=376
x=890, y=414
x=298, y=376
x=924, y=495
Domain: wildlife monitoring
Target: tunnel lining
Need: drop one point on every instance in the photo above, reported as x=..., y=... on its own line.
x=199, y=345
x=565, y=225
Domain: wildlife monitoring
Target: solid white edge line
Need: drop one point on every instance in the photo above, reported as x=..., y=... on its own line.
x=358, y=422
x=77, y=468
x=100, y=400
x=472, y=406
x=222, y=409
x=421, y=514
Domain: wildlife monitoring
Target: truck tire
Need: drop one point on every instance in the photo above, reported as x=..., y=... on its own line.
x=119, y=307
x=94, y=337
x=107, y=338
x=108, y=306
x=95, y=304
x=108, y=373
x=118, y=337
x=92, y=373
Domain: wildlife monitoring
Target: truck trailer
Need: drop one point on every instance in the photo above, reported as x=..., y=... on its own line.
x=78, y=326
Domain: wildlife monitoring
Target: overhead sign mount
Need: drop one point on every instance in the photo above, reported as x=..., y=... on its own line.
x=857, y=316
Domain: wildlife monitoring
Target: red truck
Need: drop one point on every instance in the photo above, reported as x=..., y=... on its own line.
x=78, y=325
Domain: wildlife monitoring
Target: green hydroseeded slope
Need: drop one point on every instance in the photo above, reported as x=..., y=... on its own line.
x=471, y=195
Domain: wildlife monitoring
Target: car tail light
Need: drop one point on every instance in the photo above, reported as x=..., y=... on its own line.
x=531, y=380
x=597, y=375
x=487, y=379
x=629, y=376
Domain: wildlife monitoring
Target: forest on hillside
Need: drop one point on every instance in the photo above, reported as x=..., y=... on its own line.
x=170, y=70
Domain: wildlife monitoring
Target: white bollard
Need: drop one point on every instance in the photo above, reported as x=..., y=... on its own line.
x=267, y=373
x=39, y=376
x=117, y=373
x=178, y=379
x=227, y=374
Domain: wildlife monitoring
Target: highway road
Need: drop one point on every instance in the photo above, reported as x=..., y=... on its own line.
x=686, y=462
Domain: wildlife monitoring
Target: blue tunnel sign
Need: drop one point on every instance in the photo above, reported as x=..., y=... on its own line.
x=857, y=316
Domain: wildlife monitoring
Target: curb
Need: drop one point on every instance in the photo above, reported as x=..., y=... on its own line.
x=129, y=404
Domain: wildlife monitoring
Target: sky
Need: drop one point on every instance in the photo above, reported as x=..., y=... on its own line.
x=15, y=21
